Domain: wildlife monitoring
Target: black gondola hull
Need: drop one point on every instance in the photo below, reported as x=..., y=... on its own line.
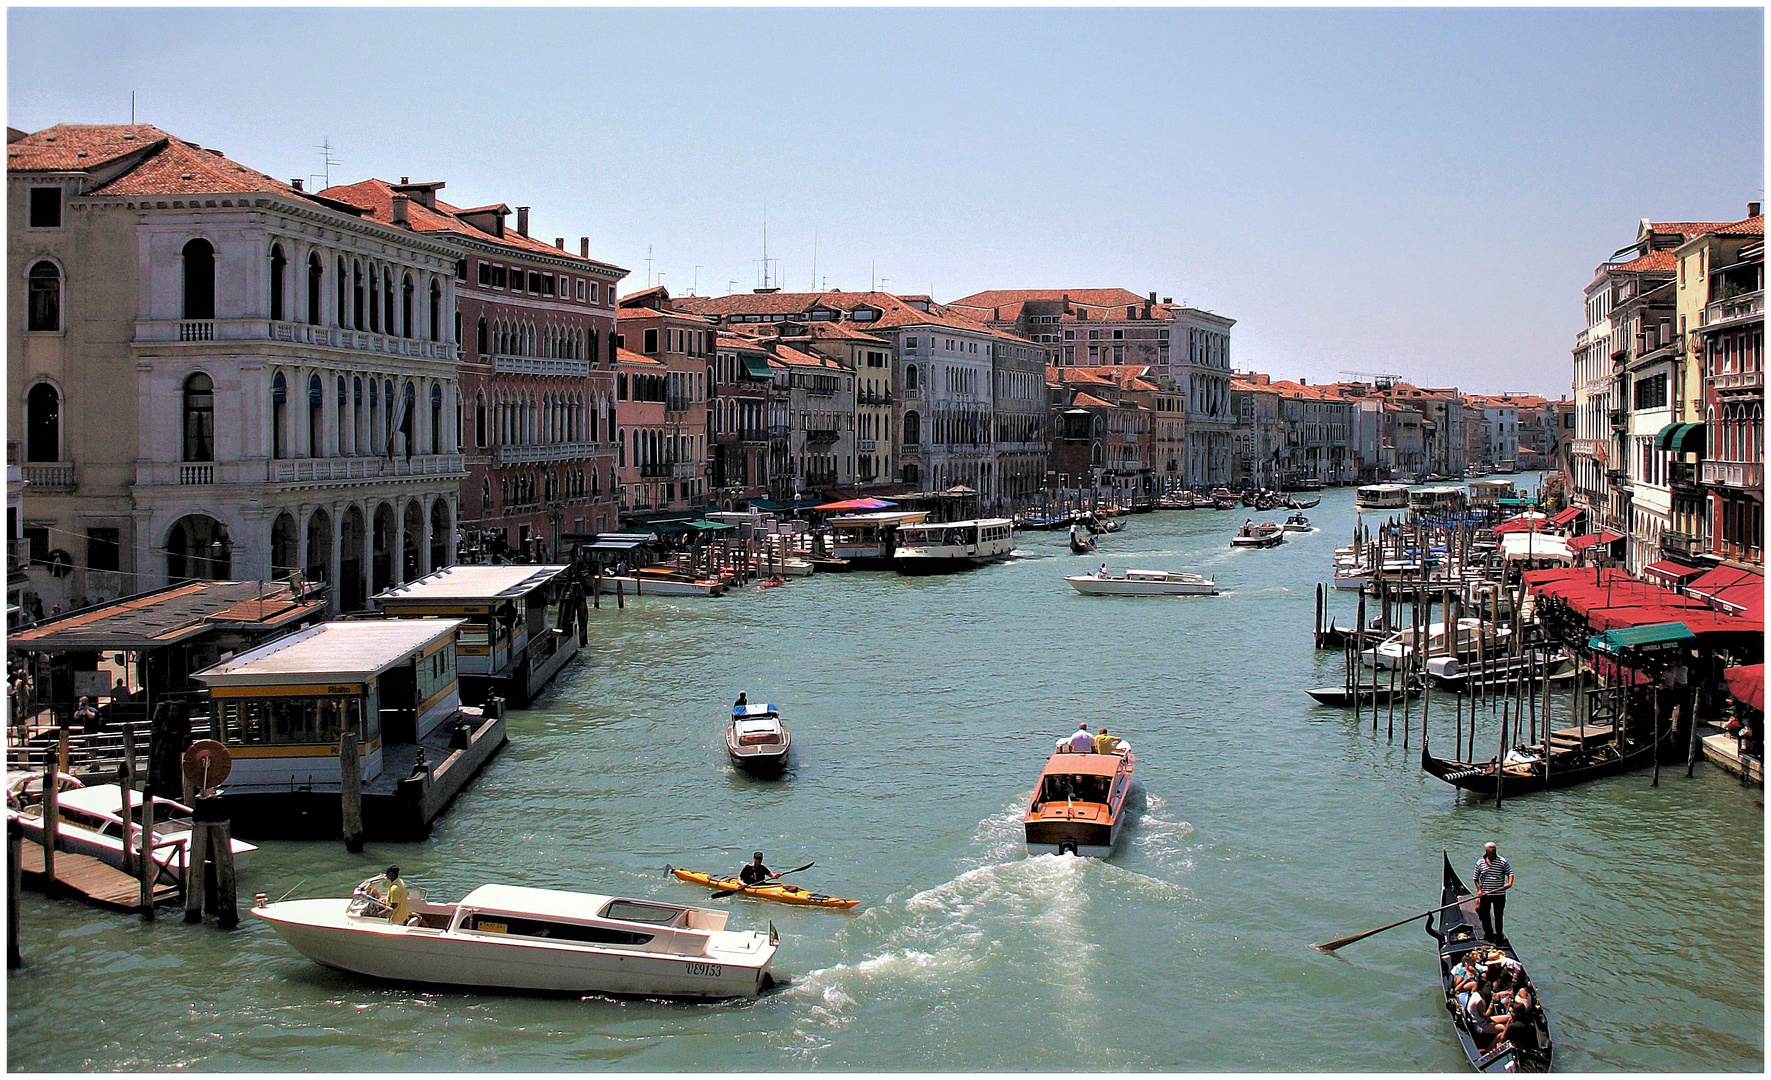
x=1460, y=931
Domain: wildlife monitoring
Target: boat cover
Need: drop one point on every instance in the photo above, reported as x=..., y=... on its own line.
x=759, y=709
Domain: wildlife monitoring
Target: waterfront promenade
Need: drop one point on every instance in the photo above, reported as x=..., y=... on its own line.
x=922, y=709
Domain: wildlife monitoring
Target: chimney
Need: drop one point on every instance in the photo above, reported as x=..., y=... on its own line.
x=584, y=247
x=399, y=211
x=559, y=242
x=1152, y=298
x=522, y=221
x=295, y=183
x=405, y=179
x=1753, y=208
x=1168, y=299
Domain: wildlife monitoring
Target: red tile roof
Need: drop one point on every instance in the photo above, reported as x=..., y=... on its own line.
x=1654, y=260
x=723, y=340
x=795, y=358
x=1089, y=401
x=376, y=197
x=79, y=147
x=628, y=356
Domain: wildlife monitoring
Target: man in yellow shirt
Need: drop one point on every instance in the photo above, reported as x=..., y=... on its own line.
x=399, y=908
x=1105, y=743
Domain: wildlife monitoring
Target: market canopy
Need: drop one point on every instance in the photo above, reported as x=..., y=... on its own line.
x=1747, y=599
x=1660, y=637
x=1527, y=522
x=1747, y=684
x=1566, y=517
x=1671, y=571
x=850, y=505
x=1581, y=543
x=1535, y=545
x=1723, y=577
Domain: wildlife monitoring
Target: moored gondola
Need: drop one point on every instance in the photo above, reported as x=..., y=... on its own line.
x=1525, y=768
x=1527, y=1046
x=1343, y=696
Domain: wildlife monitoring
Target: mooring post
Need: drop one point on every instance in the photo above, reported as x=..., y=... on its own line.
x=198, y=859
x=227, y=907
x=15, y=838
x=51, y=821
x=126, y=787
x=150, y=873
x=350, y=792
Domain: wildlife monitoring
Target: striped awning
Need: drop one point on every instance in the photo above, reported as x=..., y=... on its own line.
x=1680, y=438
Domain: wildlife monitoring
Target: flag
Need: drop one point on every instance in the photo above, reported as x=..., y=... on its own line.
x=406, y=424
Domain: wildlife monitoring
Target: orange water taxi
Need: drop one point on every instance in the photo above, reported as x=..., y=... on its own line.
x=1079, y=804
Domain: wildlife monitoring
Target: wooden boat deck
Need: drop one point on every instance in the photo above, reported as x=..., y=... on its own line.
x=85, y=878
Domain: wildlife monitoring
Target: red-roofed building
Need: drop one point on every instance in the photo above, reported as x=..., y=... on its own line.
x=643, y=443
x=739, y=430
x=1102, y=436
x=653, y=326
x=218, y=374
x=536, y=326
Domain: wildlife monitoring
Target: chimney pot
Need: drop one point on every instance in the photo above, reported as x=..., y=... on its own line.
x=584, y=247
x=295, y=183
x=559, y=242
x=1152, y=298
x=399, y=209
x=522, y=221
x=1753, y=208
x=1168, y=299
x=405, y=179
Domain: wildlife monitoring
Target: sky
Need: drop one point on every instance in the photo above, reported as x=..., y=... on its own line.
x=1423, y=192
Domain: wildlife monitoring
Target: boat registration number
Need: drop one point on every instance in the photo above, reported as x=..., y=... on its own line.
x=712, y=971
x=487, y=926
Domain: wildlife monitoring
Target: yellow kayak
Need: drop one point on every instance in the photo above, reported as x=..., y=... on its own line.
x=786, y=894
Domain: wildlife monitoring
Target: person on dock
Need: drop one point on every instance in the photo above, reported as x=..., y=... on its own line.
x=1082, y=742
x=1494, y=875
x=754, y=872
x=86, y=717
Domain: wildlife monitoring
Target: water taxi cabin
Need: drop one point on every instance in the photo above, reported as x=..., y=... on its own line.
x=868, y=540
x=282, y=709
x=1436, y=501
x=506, y=646
x=1488, y=492
x=1381, y=497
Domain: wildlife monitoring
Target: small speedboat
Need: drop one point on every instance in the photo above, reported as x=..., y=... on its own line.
x=511, y=937
x=1145, y=583
x=757, y=740
x=91, y=824
x=1078, y=806
x=1296, y=522
x=1264, y=535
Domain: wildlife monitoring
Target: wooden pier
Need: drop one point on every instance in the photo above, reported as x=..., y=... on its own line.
x=82, y=877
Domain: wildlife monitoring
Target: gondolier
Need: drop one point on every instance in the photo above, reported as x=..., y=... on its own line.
x=1493, y=875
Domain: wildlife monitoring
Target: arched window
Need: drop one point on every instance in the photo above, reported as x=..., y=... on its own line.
x=409, y=417
x=316, y=403
x=278, y=265
x=45, y=298
x=343, y=421
x=374, y=300
x=356, y=295
x=910, y=378
x=342, y=311
x=284, y=546
x=912, y=425
x=199, y=280
x=199, y=418
x=43, y=424
x=315, y=281
x=406, y=293
x=479, y=418
x=621, y=448
x=480, y=342
x=436, y=418
x=436, y=310
x=279, y=415
x=387, y=300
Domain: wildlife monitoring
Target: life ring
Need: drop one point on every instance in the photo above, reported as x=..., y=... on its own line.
x=60, y=563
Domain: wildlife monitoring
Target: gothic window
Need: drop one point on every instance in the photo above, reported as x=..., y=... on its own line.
x=43, y=423
x=436, y=309
x=199, y=418
x=278, y=265
x=406, y=294
x=279, y=415
x=315, y=276
x=45, y=298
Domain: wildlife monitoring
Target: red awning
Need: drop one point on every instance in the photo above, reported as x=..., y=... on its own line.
x=1671, y=571
x=1747, y=599
x=1622, y=618
x=1581, y=543
x=1747, y=684
x=1519, y=525
x=1567, y=516
x=1714, y=622
x=855, y=504
x=1720, y=578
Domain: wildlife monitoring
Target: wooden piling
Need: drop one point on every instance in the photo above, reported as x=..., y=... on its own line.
x=1656, y=706
x=51, y=817
x=195, y=873
x=15, y=840
x=126, y=787
x=621, y=593
x=350, y=792
x=149, y=872
x=227, y=908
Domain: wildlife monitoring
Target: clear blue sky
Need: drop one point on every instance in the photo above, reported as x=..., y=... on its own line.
x=1418, y=191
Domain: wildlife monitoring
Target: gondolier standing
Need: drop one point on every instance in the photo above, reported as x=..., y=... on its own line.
x=1493, y=875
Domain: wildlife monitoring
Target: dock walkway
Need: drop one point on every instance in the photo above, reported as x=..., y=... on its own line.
x=85, y=878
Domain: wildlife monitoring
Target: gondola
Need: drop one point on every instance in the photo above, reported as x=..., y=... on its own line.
x=1080, y=545
x=1525, y=768
x=1528, y=1047
x=1382, y=694
x=1303, y=504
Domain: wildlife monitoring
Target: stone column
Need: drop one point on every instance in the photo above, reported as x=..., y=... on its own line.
x=335, y=559
x=397, y=570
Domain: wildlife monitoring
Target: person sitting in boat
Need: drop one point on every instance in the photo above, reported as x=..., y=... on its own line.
x=754, y=872
x=1464, y=979
x=1102, y=572
x=743, y=699
x=1105, y=743
x=391, y=891
x=1082, y=742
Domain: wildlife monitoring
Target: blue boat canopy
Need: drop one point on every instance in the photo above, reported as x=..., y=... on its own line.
x=740, y=712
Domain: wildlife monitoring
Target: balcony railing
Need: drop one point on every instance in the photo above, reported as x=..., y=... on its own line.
x=821, y=435
x=1619, y=417
x=199, y=331
x=296, y=470
x=779, y=431
x=527, y=453
x=189, y=475
x=539, y=365
x=652, y=470
x=754, y=435
x=1681, y=543
x=1739, y=380
x=48, y=476
x=1734, y=474
x=1620, y=478
x=1682, y=476
x=866, y=446
x=1589, y=448
x=685, y=469
x=1734, y=308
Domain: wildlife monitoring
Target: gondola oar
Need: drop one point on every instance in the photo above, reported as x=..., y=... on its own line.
x=1339, y=942
x=771, y=877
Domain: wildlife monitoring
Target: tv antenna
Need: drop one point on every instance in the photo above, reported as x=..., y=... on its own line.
x=696, y=285
x=648, y=266
x=327, y=160
x=814, y=258
x=1383, y=380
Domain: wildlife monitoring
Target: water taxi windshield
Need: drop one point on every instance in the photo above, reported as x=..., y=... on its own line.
x=1077, y=788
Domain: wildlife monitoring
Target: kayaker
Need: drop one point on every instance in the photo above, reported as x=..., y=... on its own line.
x=754, y=872
x=1082, y=742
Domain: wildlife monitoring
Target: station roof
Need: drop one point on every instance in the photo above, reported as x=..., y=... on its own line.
x=349, y=650
x=483, y=583
x=172, y=615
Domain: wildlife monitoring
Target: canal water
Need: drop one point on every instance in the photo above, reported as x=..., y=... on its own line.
x=922, y=710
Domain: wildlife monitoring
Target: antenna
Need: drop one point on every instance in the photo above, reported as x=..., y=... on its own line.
x=814, y=258
x=732, y=286
x=873, y=276
x=327, y=160
x=697, y=283
x=765, y=243
x=132, y=107
x=648, y=266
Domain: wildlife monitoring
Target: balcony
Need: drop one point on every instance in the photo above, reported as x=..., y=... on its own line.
x=653, y=470
x=1620, y=419
x=820, y=436
x=300, y=470
x=676, y=403
x=1587, y=448
x=821, y=479
x=48, y=475
x=1735, y=381
x=538, y=365
x=866, y=446
x=525, y=454
x=1620, y=478
x=1722, y=314
x=1734, y=474
x=1679, y=543
x=779, y=431
x=1682, y=477
x=685, y=469
x=206, y=331
x=754, y=435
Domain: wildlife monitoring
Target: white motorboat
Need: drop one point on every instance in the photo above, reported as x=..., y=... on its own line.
x=1296, y=522
x=757, y=740
x=1400, y=646
x=794, y=567
x=1351, y=577
x=1265, y=535
x=92, y=824
x=1144, y=583
x=516, y=938
x=649, y=585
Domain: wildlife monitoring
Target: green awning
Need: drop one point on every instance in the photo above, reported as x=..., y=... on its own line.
x=1689, y=440
x=1655, y=638
x=1667, y=436
x=757, y=367
x=710, y=526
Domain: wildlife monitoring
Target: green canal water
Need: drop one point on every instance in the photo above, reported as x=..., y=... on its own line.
x=922, y=710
